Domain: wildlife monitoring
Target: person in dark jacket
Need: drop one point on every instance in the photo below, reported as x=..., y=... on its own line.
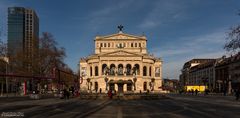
x=237, y=94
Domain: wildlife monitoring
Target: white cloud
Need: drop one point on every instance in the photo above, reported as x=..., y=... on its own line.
x=111, y=9
x=104, y=15
x=149, y=24
x=163, y=12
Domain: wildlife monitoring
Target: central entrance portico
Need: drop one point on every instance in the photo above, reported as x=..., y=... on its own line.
x=120, y=85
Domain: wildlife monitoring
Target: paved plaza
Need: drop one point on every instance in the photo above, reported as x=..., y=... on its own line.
x=171, y=106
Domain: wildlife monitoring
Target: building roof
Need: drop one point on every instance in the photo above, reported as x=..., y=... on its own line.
x=188, y=64
x=120, y=35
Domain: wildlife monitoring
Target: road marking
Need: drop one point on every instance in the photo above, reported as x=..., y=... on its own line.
x=92, y=111
x=119, y=112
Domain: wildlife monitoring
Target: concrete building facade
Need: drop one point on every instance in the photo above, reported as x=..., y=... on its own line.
x=121, y=62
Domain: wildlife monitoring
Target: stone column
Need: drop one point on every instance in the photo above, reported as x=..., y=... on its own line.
x=147, y=69
x=229, y=87
x=93, y=70
x=100, y=68
x=141, y=69
x=124, y=87
x=124, y=70
x=116, y=87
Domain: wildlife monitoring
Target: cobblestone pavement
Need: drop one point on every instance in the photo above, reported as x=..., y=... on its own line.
x=175, y=106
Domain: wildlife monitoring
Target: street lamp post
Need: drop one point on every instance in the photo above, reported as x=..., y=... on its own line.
x=7, y=78
x=106, y=80
x=88, y=80
x=106, y=71
x=134, y=80
x=134, y=76
x=229, y=84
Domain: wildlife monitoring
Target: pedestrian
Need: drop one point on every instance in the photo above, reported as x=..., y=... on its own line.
x=64, y=94
x=67, y=94
x=196, y=91
x=237, y=94
x=192, y=91
x=100, y=90
x=224, y=92
x=206, y=92
x=110, y=94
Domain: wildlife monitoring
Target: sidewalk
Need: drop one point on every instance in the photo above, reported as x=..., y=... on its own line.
x=12, y=97
x=212, y=99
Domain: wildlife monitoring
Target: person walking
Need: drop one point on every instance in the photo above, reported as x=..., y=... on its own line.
x=192, y=91
x=196, y=91
x=110, y=94
x=65, y=94
x=237, y=94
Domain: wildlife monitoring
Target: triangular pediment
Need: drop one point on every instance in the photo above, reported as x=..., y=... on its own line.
x=120, y=36
x=120, y=53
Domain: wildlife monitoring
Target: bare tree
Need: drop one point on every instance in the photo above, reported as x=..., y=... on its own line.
x=3, y=52
x=233, y=44
x=50, y=55
x=3, y=48
x=44, y=59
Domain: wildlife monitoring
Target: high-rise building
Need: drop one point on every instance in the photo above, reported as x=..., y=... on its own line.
x=23, y=31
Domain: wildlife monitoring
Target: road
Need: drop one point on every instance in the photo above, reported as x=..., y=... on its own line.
x=175, y=106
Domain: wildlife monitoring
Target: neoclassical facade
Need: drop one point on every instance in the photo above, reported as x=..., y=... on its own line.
x=121, y=62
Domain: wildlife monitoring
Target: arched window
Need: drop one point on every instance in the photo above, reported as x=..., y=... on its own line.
x=135, y=44
x=145, y=86
x=112, y=69
x=105, y=45
x=120, y=69
x=150, y=71
x=104, y=69
x=129, y=85
x=128, y=69
x=144, y=71
x=108, y=44
x=157, y=72
x=90, y=71
x=120, y=45
x=96, y=71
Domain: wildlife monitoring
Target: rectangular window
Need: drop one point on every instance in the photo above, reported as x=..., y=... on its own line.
x=157, y=72
x=139, y=44
x=135, y=44
x=101, y=45
x=131, y=44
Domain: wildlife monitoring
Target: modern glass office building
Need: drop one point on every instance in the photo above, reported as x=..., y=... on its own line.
x=23, y=31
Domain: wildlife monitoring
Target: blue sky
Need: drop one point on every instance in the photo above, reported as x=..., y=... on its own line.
x=177, y=30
